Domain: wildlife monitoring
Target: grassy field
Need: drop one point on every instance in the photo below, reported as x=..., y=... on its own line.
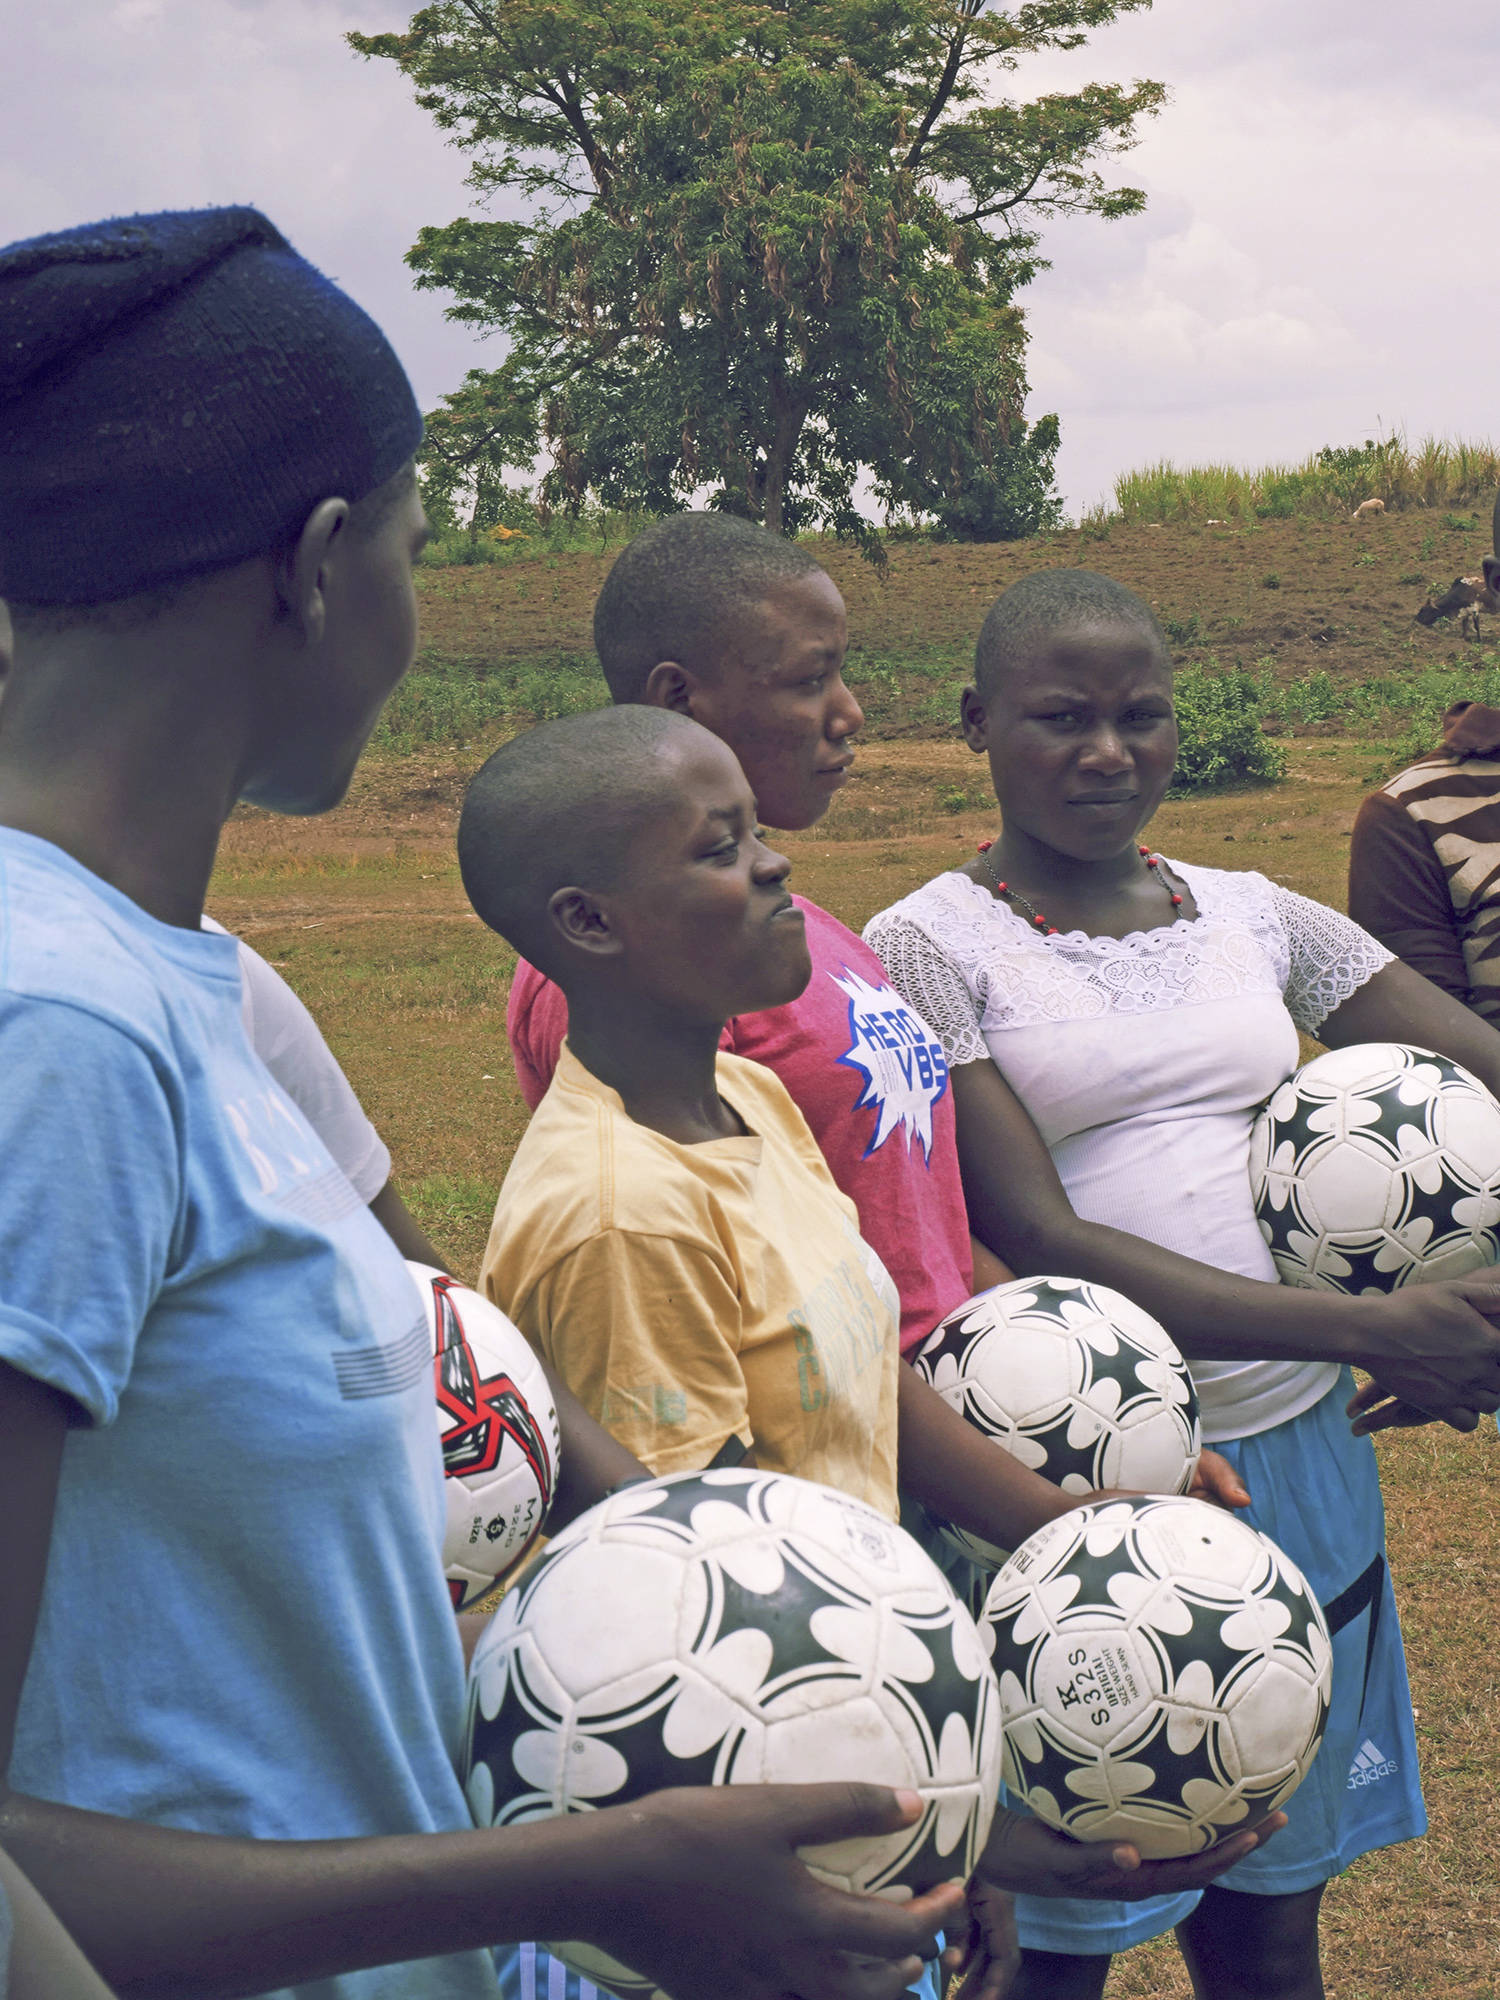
x=364, y=913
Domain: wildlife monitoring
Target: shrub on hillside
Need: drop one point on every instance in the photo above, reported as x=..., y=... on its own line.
x=1011, y=497
x=1220, y=738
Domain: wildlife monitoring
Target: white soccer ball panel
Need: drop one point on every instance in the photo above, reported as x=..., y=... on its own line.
x=636, y=1613
x=782, y=1632
x=497, y=1425
x=1345, y=1186
x=1163, y=1671
x=1155, y=1452
x=1275, y=1718
x=1204, y=1549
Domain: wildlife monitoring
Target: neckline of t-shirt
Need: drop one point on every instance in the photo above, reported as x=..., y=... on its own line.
x=199, y=951
x=747, y=1145
x=1091, y=938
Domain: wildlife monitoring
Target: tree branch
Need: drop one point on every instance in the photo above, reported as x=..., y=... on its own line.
x=945, y=84
x=1011, y=201
x=557, y=92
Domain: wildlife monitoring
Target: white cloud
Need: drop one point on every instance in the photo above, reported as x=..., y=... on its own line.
x=123, y=105
x=1314, y=260
x=1311, y=263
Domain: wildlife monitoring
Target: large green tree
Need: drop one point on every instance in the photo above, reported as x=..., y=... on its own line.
x=766, y=244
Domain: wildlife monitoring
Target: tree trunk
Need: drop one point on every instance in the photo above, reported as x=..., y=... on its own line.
x=791, y=414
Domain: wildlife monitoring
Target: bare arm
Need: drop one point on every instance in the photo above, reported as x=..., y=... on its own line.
x=398, y=1222
x=701, y=1889
x=963, y=1476
x=988, y=1269
x=45, y=1964
x=1433, y=1346
x=1399, y=1005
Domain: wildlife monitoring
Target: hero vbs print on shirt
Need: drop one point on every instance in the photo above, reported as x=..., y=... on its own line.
x=901, y=1060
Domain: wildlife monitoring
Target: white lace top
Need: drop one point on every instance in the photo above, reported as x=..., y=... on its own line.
x=1142, y=1061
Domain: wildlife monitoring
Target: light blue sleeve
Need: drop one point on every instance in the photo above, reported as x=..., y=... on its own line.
x=89, y=1195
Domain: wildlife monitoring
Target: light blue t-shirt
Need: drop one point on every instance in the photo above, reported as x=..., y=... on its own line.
x=245, y=1627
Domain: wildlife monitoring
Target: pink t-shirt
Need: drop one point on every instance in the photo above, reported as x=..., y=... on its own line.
x=868, y=1075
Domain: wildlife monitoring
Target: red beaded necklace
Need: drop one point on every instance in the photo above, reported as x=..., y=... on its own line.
x=1152, y=861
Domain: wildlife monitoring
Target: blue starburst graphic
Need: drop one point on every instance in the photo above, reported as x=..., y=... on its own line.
x=900, y=1059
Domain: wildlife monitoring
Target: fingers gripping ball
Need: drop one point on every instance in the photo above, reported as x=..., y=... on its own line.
x=1075, y=1381
x=1378, y=1166
x=732, y=1628
x=1164, y=1674
x=498, y=1426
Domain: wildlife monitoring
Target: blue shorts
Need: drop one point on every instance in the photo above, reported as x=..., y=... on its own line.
x=1315, y=1491
x=530, y=1972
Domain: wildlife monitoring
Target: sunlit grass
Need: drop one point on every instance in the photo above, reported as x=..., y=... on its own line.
x=1436, y=473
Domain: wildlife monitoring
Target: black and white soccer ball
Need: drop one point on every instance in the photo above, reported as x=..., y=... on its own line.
x=737, y=1627
x=497, y=1423
x=1378, y=1166
x=1164, y=1673
x=1075, y=1381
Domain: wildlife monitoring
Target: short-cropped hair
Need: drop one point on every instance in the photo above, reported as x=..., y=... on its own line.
x=1023, y=618
x=678, y=591
x=560, y=806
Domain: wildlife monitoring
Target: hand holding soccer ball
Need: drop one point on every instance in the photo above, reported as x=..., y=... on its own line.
x=1375, y=1171
x=1164, y=1672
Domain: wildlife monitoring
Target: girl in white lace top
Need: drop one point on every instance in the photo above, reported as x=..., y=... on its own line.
x=1142, y=1060
x=1112, y=1021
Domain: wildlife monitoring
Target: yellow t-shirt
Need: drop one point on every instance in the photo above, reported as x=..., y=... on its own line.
x=690, y=1294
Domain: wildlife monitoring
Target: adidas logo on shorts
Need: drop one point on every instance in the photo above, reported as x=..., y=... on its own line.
x=1369, y=1767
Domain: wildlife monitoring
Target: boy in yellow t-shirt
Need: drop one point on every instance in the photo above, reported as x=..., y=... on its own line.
x=669, y=1236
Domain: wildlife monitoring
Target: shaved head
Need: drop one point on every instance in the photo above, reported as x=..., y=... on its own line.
x=1025, y=618
x=680, y=591
x=560, y=806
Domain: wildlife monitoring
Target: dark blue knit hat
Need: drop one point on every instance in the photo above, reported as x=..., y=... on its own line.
x=177, y=392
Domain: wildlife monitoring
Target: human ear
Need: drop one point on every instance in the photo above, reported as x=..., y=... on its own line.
x=669, y=685
x=302, y=579
x=973, y=720
x=582, y=922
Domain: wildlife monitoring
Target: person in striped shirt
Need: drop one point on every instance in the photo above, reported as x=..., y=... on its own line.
x=1424, y=859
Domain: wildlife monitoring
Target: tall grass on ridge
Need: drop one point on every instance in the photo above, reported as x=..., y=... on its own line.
x=1439, y=472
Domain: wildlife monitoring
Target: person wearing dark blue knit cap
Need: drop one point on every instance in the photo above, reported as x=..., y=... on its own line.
x=230, y=1681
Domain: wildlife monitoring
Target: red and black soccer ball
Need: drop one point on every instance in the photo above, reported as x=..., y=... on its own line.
x=498, y=1426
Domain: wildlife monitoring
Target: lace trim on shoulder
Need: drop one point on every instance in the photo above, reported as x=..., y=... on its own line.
x=1250, y=935
x=929, y=981
x=1331, y=957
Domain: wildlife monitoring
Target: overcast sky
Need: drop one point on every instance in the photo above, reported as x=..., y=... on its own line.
x=1318, y=257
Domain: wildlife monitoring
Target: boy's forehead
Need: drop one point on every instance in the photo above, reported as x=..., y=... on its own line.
x=1080, y=653
x=792, y=617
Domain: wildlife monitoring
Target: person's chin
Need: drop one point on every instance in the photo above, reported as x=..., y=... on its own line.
x=782, y=976
x=299, y=798
x=1093, y=832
